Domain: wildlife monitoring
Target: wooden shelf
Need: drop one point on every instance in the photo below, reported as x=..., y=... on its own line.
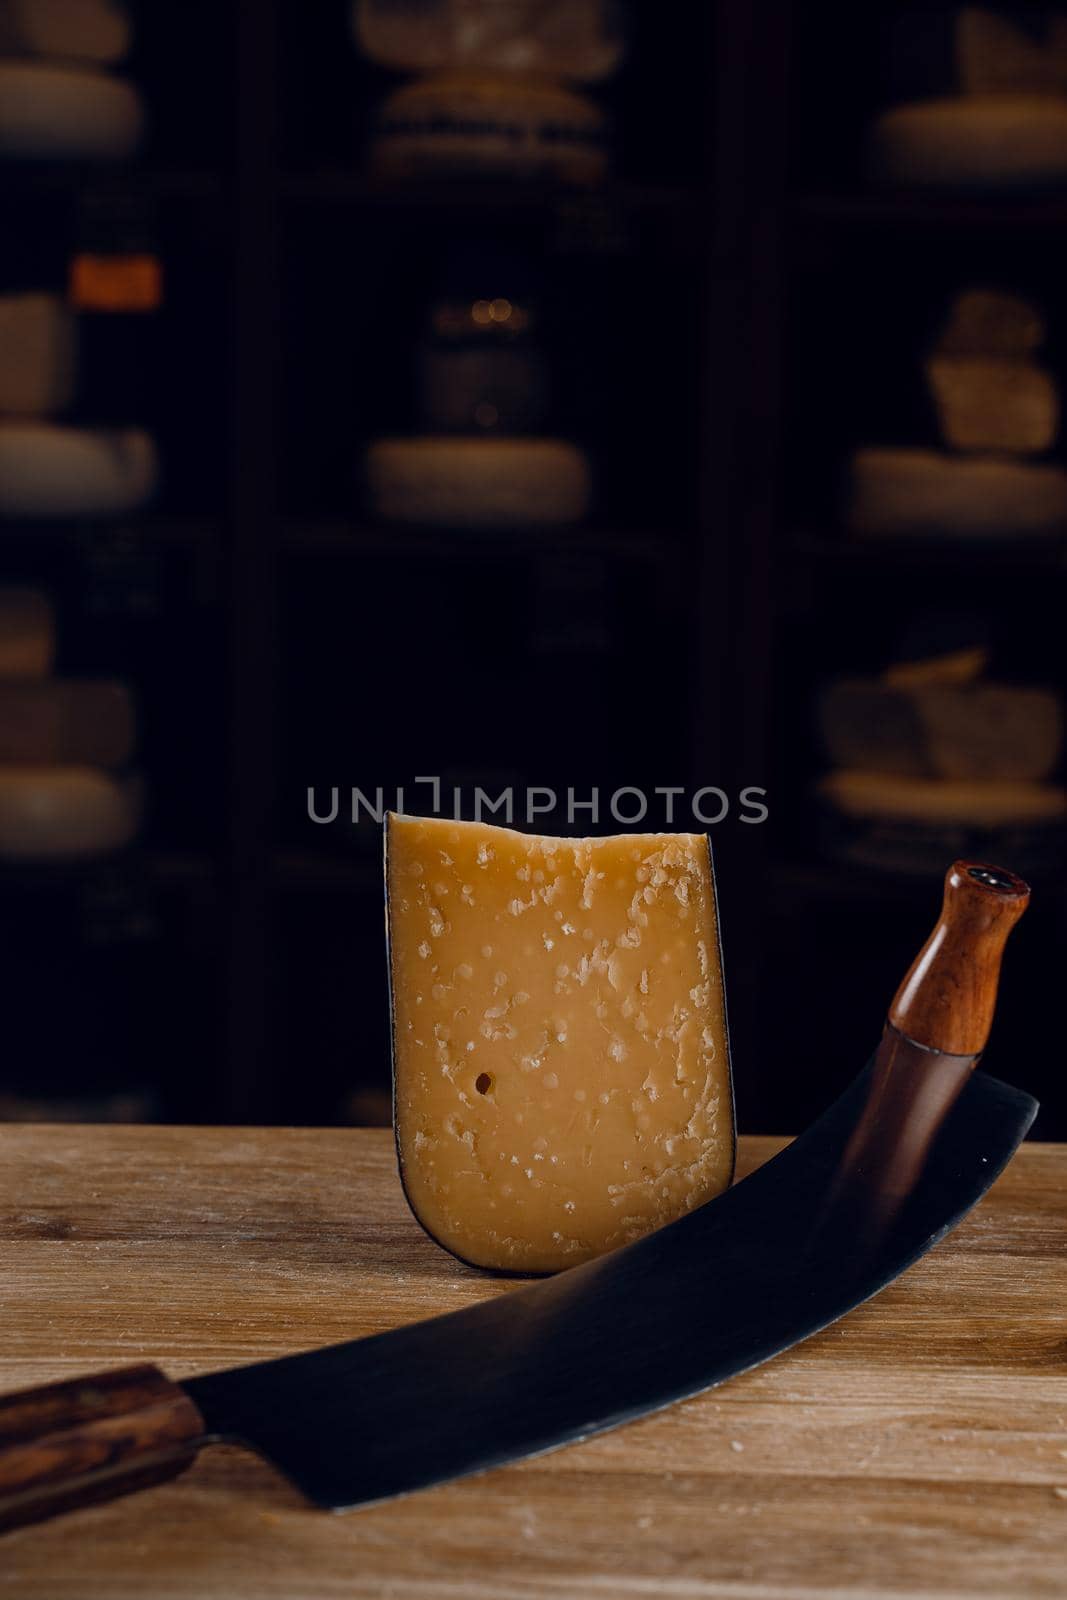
x=1016, y=557
x=166, y=532
x=351, y=187
x=911, y=209
x=63, y=177
x=341, y=540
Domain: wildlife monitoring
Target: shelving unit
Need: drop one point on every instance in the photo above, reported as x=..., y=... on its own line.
x=711, y=306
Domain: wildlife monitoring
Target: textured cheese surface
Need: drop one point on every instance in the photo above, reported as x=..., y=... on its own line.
x=994, y=142
x=60, y=113
x=467, y=123
x=478, y=483
x=902, y=492
x=561, y=1063
x=64, y=813
x=52, y=471
x=27, y=633
x=38, y=354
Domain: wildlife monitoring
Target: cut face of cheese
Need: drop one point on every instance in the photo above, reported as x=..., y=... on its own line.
x=903, y=493
x=563, y=39
x=478, y=483
x=561, y=1065
x=994, y=143
x=38, y=355
x=66, y=723
x=464, y=123
x=53, y=112
x=52, y=471
x=77, y=30
x=27, y=634
x=994, y=405
x=64, y=813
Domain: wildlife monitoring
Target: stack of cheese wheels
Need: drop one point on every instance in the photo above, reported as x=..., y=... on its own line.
x=49, y=469
x=1004, y=127
x=492, y=95
x=998, y=412
x=58, y=99
x=936, y=759
x=60, y=741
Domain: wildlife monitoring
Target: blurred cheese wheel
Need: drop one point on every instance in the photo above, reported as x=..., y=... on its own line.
x=55, y=813
x=38, y=354
x=915, y=825
x=464, y=124
x=66, y=722
x=579, y=39
x=78, y=30
x=478, y=483
x=52, y=471
x=27, y=634
x=988, y=142
x=989, y=803
x=63, y=113
x=896, y=493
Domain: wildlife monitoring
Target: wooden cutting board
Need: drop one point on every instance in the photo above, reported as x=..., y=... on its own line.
x=917, y=1448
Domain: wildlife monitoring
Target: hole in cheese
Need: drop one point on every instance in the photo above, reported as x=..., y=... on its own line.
x=575, y=985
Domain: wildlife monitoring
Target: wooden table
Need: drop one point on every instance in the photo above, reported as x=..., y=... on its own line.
x=917, y=1448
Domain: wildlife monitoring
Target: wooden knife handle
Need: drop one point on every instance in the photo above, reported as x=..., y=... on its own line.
x=71, y=1444
x=947, y=1000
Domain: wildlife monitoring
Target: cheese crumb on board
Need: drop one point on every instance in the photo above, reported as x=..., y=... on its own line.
x=571, y=1090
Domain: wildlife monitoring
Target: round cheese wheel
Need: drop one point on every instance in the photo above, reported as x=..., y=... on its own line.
x=61, y=113
x=27, y=634
x=77, y=30
x=478, y=483
x=52, y=471
x=465, y=124
x=897, y=493
x=985, y=142
x=986, y=803
x=578, y=39
x=904, y=824
x=56, y=813
x=38, y=354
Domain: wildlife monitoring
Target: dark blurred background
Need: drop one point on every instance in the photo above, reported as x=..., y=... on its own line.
x=574, y=395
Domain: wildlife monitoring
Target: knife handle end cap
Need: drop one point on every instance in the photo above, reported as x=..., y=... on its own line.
x=948, y=998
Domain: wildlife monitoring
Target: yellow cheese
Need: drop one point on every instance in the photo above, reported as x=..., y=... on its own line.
x=560, y=1055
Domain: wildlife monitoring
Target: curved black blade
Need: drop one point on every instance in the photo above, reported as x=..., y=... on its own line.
x=778, y=1257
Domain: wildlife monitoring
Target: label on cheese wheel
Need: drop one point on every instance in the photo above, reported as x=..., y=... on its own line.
x=561, y=1063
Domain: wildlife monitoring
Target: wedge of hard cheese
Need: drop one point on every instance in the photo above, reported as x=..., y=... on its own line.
x=560, y=1055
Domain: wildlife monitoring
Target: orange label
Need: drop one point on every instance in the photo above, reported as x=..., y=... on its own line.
x=116, y=283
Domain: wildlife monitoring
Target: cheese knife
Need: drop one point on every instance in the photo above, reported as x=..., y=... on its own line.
x=884, y=1174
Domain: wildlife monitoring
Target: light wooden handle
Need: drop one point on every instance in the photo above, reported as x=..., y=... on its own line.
x=947, y=1000
x=90, y=1439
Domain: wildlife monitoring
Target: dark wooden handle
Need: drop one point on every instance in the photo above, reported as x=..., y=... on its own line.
x=70, y=1444
x=947, y=1000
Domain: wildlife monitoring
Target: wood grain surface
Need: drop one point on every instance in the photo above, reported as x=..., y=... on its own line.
x=917, y=1448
